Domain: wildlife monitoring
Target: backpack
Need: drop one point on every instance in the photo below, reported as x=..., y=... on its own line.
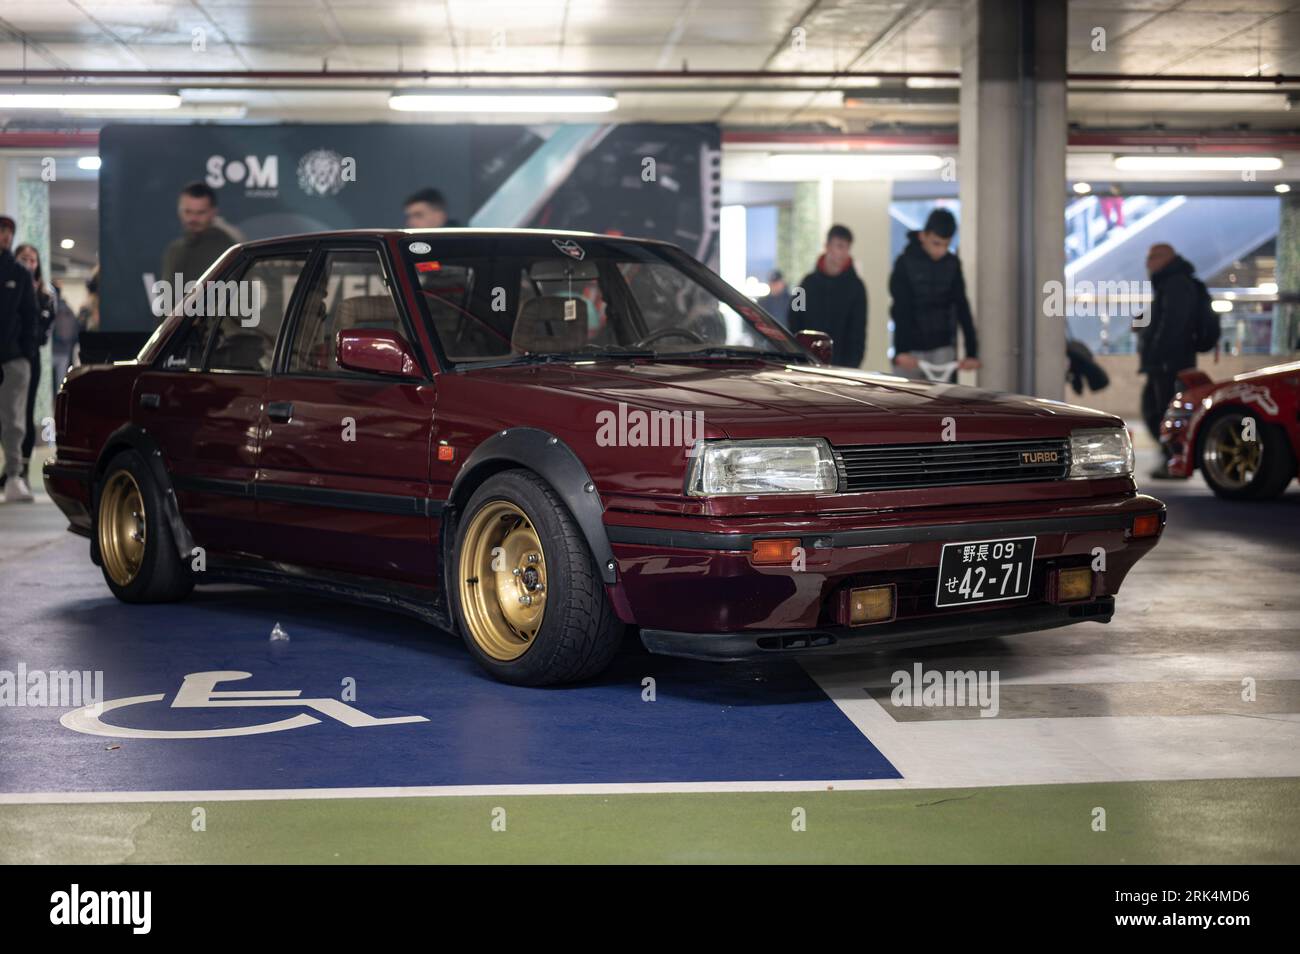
x=1205, y=326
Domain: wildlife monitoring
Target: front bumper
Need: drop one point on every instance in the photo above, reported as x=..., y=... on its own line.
x=681, y=584
x=842, y=640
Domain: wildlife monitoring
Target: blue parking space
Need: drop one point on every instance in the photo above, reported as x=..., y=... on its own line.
x=706, y=723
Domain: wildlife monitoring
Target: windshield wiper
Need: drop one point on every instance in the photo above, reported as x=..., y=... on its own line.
x=561, y=357
x=721, y=352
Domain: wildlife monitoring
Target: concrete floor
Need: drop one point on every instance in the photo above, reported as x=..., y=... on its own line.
x=1143, y=719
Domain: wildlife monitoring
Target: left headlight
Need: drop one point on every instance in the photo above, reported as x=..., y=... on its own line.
x=722, y=468
x=1105, y=452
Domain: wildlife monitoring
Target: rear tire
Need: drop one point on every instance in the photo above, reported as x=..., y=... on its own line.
x=1237, y=469
x=525, y=590
x=137, y=551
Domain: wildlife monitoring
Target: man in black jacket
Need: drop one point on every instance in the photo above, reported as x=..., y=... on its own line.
x=1167, y=344
x=17, y=335
x=929, y=301
x=833, y=299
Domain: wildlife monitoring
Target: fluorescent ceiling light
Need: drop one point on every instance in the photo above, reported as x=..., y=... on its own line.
x=92, y=100
x=506, y=102
x=1082, y=188
x=1160, y=163
x=930, y=82
x=1221, y=307
x=805, y=165
x=67, y=244
x=89, y=163
x=1267, y=288
x=1282, y=187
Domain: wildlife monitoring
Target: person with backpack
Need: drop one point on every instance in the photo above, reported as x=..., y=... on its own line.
x=1182, y=322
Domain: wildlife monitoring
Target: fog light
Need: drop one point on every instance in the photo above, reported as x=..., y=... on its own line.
x=1146, y=525
x=1073, y=584
x=871, y=604
x=773, y=552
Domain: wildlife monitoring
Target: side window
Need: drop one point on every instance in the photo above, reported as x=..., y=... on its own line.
x=350, y=293
x=253, y=307
x=185, y=350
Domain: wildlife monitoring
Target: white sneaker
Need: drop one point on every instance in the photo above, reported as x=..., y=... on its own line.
x=17, y=491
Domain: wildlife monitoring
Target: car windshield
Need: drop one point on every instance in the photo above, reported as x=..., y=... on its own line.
x=521, y=299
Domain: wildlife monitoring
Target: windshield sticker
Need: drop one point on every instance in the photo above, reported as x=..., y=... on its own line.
x=419, y=248
x=570, y=248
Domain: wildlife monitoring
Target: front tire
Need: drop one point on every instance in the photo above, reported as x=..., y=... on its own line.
x=1238, y=469
x=528, y=599
x=136, y=549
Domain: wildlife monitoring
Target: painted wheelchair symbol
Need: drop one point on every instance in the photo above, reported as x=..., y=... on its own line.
x=198, y=691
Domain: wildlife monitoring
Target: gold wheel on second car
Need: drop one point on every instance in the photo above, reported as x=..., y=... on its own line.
x=122, y=527
x=1232, y=459
x=502, y=577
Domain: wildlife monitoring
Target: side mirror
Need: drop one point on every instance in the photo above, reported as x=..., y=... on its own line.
x=817, y=343
x=376, y=351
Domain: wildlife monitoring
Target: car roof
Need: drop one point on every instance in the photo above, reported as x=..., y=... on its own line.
x=448, y=233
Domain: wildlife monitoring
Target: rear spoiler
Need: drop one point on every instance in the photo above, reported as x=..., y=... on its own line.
x=1193, y=378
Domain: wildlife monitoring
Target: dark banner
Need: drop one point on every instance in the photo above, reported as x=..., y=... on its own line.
x=644, y=180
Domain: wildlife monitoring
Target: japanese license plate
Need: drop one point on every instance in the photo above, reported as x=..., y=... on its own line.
x=985, y=571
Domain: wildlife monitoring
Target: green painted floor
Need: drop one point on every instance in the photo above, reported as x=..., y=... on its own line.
x=1243, y=821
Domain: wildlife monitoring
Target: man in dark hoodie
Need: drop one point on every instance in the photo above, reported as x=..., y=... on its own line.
x=1167, y=344
x=17, y=334
x=929, y=301
x=833, y=299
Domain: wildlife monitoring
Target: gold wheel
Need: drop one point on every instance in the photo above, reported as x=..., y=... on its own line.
x=122, y=528
x=1231, y=459
x=502, y=578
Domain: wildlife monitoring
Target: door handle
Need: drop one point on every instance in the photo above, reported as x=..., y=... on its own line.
x=149, y=399
x=280, y=411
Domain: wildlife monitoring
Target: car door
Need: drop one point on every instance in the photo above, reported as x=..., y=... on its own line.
x=343, y=477
x=202, y=400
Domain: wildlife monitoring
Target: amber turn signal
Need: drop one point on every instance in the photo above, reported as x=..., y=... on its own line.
x=871, y=604
x=1074, y=584
x=1146, y=525
x=773, y=552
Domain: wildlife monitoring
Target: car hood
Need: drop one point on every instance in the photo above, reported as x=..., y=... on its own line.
x=748, y=399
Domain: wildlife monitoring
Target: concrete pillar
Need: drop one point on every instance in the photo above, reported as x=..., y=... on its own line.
x=1286, y=320
x=864, y=208
x=1012, y=185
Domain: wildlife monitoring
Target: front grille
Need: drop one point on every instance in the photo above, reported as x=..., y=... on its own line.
x=894, y=466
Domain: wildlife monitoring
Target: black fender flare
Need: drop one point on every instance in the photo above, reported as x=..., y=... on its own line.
x=143, y=443
x=556, y=463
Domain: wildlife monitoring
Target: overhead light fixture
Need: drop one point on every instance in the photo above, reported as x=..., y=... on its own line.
x=1267, y=288
x=67, y=244
x=1184, y=163
x=89, y=163
x=1282, y=187
x=455, y=101
x=932, y=82
x=805, y=165
x=1082, y=188
x=1220, y=306
x=92, y=100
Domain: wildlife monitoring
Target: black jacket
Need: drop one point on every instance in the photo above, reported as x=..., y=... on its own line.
x=17, y=309
x=837, y=305
x=929, y=301
x=1168, y=343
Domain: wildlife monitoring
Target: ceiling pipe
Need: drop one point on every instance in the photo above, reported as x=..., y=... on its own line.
x=328, y=75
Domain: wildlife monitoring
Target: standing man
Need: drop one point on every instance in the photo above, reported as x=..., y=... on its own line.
x=929, y=301
x=1168, y=343
x=426, y=209
x=777, y=300
x=203, y=238
x=834, y=300
x=17, y=334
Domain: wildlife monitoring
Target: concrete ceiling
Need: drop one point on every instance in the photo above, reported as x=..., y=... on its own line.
x=1142, y=37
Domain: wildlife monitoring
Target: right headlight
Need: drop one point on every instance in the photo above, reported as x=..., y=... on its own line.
x=740, y=468
x=1104, y=452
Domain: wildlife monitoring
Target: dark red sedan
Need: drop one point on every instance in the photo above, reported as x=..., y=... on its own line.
x=541, y=439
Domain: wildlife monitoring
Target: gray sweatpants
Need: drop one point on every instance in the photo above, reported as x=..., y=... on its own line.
x=933, y=356
x=13, y=413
